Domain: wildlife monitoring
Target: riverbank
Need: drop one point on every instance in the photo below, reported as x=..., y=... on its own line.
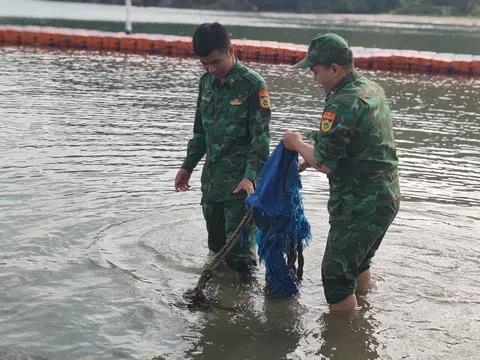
x=390, y=15
x=413, y=19
x=94, y=11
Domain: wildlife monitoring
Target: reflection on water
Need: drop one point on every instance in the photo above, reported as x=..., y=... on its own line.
x=265, y=331
x=348, y=336
x=97, y=249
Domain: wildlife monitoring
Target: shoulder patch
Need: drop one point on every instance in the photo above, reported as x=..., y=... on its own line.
x=264, y=99
x=326, y=125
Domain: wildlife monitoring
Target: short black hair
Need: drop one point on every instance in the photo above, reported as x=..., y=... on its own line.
x=210, y=37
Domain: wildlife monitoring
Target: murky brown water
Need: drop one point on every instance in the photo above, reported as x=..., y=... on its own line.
x=97, y=249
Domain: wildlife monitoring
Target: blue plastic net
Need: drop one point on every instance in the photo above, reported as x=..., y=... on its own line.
x=279, y=216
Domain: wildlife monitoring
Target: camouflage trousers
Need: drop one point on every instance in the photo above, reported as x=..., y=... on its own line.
x=222, y=219
x=357, y=228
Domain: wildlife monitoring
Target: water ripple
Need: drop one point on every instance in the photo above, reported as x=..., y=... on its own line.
x=97, y=245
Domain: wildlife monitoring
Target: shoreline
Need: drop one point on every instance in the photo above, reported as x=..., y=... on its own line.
x=467, y=21
x=79, y=10
x=419, y=19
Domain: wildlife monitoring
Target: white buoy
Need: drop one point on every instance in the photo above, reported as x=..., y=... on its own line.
x=128, y=21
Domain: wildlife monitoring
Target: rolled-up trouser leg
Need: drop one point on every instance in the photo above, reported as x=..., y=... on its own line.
x=243, y=255
x=213, y=212
x=350, y=248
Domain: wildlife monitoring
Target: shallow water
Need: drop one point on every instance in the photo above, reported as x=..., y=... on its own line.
x=97, y=249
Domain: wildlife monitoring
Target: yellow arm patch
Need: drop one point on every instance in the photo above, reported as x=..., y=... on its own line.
x=264, y=99
x=327, y=122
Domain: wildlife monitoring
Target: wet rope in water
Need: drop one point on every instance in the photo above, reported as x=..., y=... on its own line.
x=197, y=296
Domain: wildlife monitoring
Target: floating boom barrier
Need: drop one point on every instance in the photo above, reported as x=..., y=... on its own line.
x=248, y=50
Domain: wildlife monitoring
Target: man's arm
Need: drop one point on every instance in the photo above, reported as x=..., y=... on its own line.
x=259, y=131
x=336, y=131
x=307, y=152
x=197, y=145
x=337, y=127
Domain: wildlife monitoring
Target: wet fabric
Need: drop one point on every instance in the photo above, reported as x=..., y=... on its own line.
x=222, y=219
x=352, y=242
x=279, y=217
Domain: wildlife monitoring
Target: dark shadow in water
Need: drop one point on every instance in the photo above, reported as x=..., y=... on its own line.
x=259, y=328
x=348, y=336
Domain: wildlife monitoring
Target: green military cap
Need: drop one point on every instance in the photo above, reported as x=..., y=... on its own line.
x=327, y=49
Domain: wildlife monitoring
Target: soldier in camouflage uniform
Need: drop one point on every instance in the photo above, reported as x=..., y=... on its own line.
x=232, y=129
x=355, y=147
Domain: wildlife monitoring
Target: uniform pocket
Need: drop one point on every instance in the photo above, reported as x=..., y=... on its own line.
x=335, y=205
x=341, y=207
x=234, y=121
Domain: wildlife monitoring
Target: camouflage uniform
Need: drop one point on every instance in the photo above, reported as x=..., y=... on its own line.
x=232, y=128
x=356, y=143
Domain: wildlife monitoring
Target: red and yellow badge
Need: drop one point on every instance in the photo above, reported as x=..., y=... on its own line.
x=264, y=99
x=327, y=122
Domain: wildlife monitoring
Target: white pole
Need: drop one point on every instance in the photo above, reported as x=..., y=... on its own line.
x=128, y=22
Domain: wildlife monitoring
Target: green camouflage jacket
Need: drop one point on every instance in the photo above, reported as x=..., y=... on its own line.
x=232, y=128
x=356, y=140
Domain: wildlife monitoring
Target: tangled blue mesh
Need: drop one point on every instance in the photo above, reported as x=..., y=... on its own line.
x=278, y=214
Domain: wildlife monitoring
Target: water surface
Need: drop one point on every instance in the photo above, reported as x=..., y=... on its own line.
x=97, y=249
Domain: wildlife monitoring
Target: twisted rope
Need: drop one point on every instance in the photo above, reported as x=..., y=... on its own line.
x=197, y=295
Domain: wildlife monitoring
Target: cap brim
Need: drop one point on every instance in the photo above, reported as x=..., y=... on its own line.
x=305, y=63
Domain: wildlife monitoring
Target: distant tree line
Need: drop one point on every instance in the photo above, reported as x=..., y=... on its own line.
x=411, y=7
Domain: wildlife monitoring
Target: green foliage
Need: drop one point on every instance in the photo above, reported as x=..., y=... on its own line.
x=439, y=7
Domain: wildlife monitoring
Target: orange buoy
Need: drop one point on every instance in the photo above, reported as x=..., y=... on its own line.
x=400, y=60
x=3, y=31
x=269, y=51
x=181, y=46
x=46, y=37
x=161, y=45
x=111, y=42
x=421, y=61
x=249, y=50
x=13, y=35
x=293, y=53
x=145, y=43
x=79, y=39
x=362, y=57
x=246, y=49
x=442, y=63
x=476, y=64
x=381, y=59
x=62, y=38
x=29, y=35
x=128, y=43
x=462, y=64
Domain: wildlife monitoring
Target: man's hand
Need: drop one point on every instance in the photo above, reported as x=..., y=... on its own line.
x=246, y=185
x=302, y=165
x=182, y=180
x=292, y=139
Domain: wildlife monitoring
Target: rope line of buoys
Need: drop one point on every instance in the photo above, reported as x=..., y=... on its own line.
x=249, y=50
